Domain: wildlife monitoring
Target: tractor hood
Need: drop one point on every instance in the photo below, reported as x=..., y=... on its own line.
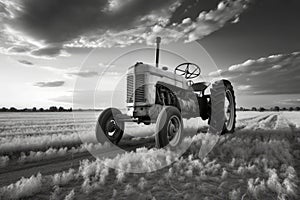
x=141, y=68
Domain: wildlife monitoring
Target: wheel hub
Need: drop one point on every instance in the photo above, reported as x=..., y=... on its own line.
x=174, y=130
x=111, y=128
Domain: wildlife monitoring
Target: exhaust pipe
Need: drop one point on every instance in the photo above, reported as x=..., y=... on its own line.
x=158, y=40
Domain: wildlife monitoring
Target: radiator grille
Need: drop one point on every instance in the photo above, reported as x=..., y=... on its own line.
x=130, y=88
x=140, y=88
x=135, y=88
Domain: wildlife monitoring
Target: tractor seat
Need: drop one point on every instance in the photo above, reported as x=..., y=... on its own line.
x=200, y=87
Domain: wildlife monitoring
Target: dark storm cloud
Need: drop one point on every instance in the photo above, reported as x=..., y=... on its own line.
x=62, y=20
x=45, y=27
x=49, y=84
x=276, y=74
x=25, y=62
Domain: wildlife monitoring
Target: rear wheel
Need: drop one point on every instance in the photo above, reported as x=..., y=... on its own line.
x=169, y=127
x=223, y=108
x=229, y=108
x=108, y=127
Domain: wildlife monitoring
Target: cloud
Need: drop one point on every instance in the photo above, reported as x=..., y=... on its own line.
x=25, y=62
x=236, y=20
x=244, y=87
x=276, y=74
x=46, y=28
x=84, y=74
x=291, y=102
x=188, y=30
x=49, y=52
x=49, y=84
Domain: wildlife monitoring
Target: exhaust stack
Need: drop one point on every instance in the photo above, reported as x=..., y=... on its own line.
x=158, y=40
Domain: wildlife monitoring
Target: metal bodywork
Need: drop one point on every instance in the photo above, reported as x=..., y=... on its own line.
x=144, y=93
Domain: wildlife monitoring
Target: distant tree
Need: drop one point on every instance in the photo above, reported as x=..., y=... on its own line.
x=3, y=109
x=284, y=109
x=291, y=109
x=34, y=109
x=262, y=109
x=53, y=109
x=253, y=109
x=12, y=109
x=297, y=109
x=242, y=109
x=276, y=108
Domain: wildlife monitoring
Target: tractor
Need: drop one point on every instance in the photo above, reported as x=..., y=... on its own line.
x=157, y=95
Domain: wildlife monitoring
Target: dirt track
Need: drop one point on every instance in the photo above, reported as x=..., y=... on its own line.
x=15, y=171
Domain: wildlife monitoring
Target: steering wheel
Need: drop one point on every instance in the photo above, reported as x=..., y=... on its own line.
x=188, y=70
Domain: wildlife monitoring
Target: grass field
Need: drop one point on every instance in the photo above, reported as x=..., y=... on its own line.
x=42, y=157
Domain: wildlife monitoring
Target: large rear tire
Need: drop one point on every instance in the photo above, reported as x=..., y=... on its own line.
x=230, y=108
x=108, y=127
x=223, y=108
x=169, y=128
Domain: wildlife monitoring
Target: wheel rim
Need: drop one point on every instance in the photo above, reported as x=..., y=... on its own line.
x=174, y=130
x=112, y=130
x=229, y=110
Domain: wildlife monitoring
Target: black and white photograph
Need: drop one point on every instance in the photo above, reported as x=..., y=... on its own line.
x=149, y=99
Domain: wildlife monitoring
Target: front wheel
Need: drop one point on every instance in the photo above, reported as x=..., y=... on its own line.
x=109, y=127
x=169, y=127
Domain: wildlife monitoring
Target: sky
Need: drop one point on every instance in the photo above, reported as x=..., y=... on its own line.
x=55, y=51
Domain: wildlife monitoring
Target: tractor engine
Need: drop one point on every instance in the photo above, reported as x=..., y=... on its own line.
x=150, y=88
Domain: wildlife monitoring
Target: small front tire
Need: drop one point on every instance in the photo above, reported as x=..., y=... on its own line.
x=108, y=127
x=169, y=128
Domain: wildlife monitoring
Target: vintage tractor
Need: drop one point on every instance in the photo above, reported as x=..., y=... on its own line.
x=156, y=95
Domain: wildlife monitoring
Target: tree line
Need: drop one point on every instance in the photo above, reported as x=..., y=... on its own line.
x=34, y=109
x=276, y=109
